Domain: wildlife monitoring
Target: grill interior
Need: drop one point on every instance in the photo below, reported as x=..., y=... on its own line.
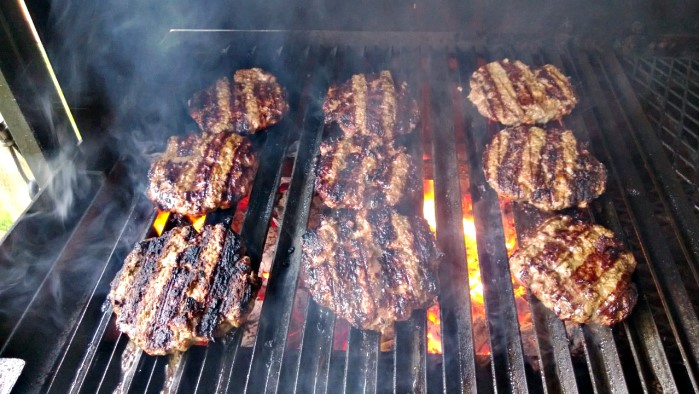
x=656, y=349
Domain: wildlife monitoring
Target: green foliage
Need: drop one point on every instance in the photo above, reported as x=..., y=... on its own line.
x=5, y=222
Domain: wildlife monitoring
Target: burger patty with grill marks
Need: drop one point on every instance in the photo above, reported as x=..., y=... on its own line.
x=182, y=288
x=350, y=174
x=371, y=267
x=371, y=105
x=512, y=94
x=546, y=168
x=202, y=173
x=579, y=270
x=253, y=101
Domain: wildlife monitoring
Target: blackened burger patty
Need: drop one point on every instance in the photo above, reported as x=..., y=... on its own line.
x=182, y=288
x=202, y=173
x=371, y=267
x=578, y=270
x=512, y=94
x=546, y=168
x=252, y=101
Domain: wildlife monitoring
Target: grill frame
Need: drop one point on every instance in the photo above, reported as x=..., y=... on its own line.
x=221, y=366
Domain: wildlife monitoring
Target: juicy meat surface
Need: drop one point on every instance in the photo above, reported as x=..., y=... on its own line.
x=183, y=287
x=579, y=270
x=253, y=101
x=512, y=94
x=371, y=105
x=351, y=174
x=546, y=168
x=202, y=173
x=371, y=267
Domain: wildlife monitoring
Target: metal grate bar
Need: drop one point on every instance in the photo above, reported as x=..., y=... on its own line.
x=276, y=311
x=362, y=361
x=661, y=264
x=311, y=364
x=642, y=312
x=459, y=372
x=675, y=200
x=410, y=343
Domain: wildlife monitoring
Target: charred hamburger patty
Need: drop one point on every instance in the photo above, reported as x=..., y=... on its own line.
x=183, y=287
x=371, y=267
x=546, y=168
x=371, y=105
x=579, y=270
x=350, y=174
x=512, y=94
x=202, y=172
x=251, y=102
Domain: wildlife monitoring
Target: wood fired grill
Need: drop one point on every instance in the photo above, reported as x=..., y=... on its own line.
x=656, y=349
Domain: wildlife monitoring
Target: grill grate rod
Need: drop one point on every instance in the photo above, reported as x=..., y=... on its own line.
x=685, y=222
x=656, y=253
x=641, y=316
x=273, y=327
x=458, y=356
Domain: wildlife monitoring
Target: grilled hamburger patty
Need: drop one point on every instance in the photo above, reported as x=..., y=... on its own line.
x=371, y=267
x=183, y=287
x=513, y=94
x=546, y=168
x=579, y=270
x=350, y=174
x=252, y=102
x=202, y=172
x=371, y=105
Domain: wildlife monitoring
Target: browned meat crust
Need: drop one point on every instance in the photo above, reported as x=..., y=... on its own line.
x=371, y=105
x=371, y=267
x=183, y=287
x=512, y=94
x=202, y=172
x=579, y=270
x=350, y=174
x=254, y=101
x=546, y=168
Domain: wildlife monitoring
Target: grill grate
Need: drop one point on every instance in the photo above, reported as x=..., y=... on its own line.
x=668, y=88
x=655, y=349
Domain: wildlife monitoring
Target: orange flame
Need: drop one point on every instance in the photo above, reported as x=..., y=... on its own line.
x=434, y=342
x=197, y=221
x=160, y=221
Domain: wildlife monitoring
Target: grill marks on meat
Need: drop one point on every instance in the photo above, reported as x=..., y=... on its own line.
x=350, y=174
x=371, y=267
x=183, y=287
x=371, y=105
x=253, y=101
x=512, y=94
x=202, y=173
x=579, y=270
x=547, y=168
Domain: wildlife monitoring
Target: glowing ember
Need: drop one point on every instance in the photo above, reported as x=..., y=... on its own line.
x=160, y=221
x=197, y=221
x=434, y=343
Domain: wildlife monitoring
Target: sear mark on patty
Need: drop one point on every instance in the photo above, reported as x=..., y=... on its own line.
x=578, y=270
x=253, y=101
x=202, y=173
x=182, y=288
x=512, y=94
x=371, y=267
x=546, y=168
